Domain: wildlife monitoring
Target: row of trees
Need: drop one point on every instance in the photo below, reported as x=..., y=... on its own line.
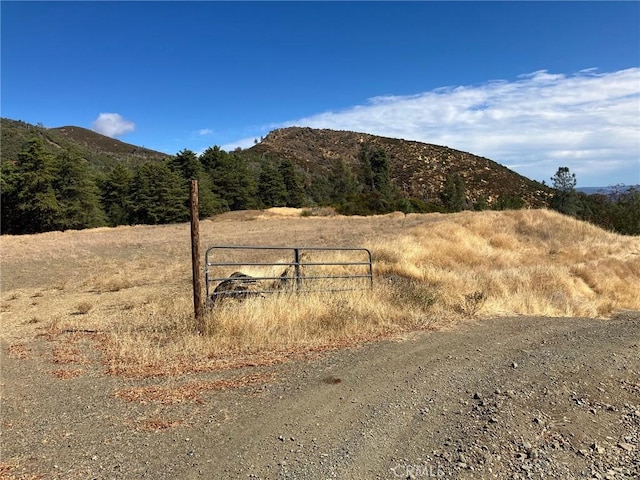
x=43, y=192
x=616, y=210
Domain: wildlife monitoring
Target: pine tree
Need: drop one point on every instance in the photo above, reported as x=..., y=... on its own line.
x=9, y=179
x=320, y=190
x=381, y=172
x=379, y=195
x=565, y=199
x=37, y=208
x=510, y=202
x=188, y=166
x=212, y=158
x=343, y=182
x=292, y=183
x=366, y=172
x=77, y=194
x=271, y=188
x=232, y=180
x=453, y=195
x=627, y=213
x=116, y=195
x=158, y=195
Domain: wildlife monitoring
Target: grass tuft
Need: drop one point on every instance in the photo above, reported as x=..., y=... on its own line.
x=83, y=308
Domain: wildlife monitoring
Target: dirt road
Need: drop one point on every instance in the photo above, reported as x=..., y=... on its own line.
x=506, y=398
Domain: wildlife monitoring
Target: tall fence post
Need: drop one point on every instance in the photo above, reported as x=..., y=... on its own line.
x=198, y=304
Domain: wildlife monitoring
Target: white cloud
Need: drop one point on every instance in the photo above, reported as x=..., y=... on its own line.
x=588, y=121
x=242, y=143
x=112, y=125
x=203, y=132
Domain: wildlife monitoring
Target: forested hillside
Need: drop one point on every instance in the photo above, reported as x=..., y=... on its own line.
x=102, y=152
x=419, y=170
x=72, y=178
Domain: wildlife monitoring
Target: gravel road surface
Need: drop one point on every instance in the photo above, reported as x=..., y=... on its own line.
x=501, y=398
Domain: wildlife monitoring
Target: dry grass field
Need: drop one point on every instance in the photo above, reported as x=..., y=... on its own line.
x=129, y=288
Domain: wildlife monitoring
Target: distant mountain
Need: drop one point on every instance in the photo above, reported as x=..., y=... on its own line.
x=417, y=169
x=102, y=152
x=611, y=189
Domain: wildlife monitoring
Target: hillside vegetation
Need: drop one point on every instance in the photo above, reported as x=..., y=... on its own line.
x=131, y=286
x=72, y=178
x=102, y=152
x=419, y=170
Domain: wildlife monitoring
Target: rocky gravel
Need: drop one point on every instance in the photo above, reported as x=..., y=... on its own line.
x=509, y=398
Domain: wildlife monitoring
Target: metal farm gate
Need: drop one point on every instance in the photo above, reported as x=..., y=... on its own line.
x=234, y=271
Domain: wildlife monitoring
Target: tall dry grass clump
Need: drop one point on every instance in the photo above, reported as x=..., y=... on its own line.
x=161, y=336
x=527, y=262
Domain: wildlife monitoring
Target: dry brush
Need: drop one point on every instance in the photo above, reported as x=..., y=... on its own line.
x=130, y=286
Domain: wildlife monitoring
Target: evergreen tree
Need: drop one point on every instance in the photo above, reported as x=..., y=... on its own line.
x=116, y=195
x=565, y=199
x=453, y=195
x=376, y=171
x=271, y=188
x=232, y=180
x=378, y=194
x=510, y=202
x=320, y=190
x=292, y=183
x=188, y=166
x=241, y=193
x=37, y=208
x=627, y=213
x=212, y=158
x=158, y=195
x=9, y=180
x=481, y=204
x=77, y=194
x=366, y=172
x=381, y=173
x=600, y=210
x=343, y=182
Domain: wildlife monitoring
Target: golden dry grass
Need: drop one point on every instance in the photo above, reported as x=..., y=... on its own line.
x=526, y=262
x=130, y=287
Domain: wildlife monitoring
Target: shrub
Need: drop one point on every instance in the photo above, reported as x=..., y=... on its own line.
x=83, y=308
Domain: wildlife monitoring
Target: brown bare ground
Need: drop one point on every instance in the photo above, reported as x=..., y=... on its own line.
x=106, y=315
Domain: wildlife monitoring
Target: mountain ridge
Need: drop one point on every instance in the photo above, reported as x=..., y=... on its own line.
x=101, y=151
x=418, y=169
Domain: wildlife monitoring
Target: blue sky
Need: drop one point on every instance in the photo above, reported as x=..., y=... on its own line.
x=533, y=86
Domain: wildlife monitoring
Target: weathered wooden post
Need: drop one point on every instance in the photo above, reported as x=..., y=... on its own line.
x=198, y=304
